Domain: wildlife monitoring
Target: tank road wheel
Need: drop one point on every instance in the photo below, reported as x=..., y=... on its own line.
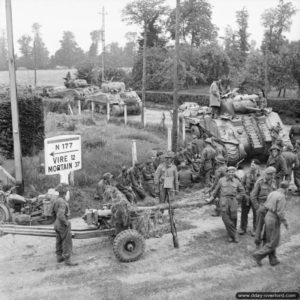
x=195, y=130
x=4, y=214
x=129, y=245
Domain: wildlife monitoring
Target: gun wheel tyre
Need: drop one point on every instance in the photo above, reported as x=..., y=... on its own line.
x=129, y=245
x=4, y=214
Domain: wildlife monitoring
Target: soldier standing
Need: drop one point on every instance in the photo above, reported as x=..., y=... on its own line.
x=294, y=133
x=215, y=98
x=248, y=181
x=278, y=162
x=62, y=227
x=123, y=185
x=207, y=161
x=228, y=189
x=297, y=170
x=135, y=176
x=262, y=188
x=166, y=177
x=291, y=160
x=275, y=207
x=185, y=176
x=158, y=159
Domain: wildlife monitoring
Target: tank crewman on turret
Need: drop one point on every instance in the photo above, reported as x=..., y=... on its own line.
x=229, y=189
x=207, y=161
x=221, y=171
x=277, y=161
x=291, y=160
x=124, y=185
x=101, y=186
x=262, y=188
x=215, y=97
x=248, y=181
x=294, y=133
x=185, y=176
x=62, y=226
x=135, y=176
x=297, y=170
x=166, y=177
x=148, y=178
x=275, y=207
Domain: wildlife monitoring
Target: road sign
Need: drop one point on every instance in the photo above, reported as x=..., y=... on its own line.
x=62, y=154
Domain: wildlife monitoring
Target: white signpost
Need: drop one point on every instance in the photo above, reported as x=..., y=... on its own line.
x=62, y=155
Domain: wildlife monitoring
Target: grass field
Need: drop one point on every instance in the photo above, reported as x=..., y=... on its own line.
x=44, y=77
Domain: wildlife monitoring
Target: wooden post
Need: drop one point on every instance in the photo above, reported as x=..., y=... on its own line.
x=13, y=99
x=169, y=138
x=79, y=107
x=107, y=111
x=133, y=151
x=64, y=177
x=125, y=114
x=93, y=108
x=72, y=179
x=144, y=76
x=183, y=130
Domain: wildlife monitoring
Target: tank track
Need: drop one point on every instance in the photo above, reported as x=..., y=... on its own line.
x=252, y=132
x=263, y=129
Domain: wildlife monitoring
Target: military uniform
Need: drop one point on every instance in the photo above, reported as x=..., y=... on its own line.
x=62, y=229
x=215, y=98
x=163, y=175
x=297, y=172
x=258, y=196
x=135, y=176
x=185, y=177
x=228, y=189
x=198, y=145
x=248, y=182
x=207, y=161
x=275, y=207
x=292, y=162
x=124, y=186
x=148, y=179
x=278, y=162
x=294, y=133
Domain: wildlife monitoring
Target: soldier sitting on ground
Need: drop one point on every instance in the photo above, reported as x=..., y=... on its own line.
x=135, y=176
x=148, y=178
x=101, y=186
x=124, y=185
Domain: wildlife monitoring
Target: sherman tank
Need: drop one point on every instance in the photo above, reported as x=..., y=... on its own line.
x=117, y=96
x=245, y=127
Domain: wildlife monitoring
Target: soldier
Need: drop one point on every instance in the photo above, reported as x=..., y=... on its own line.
x=278, y=162
x=262, y=188
x=291, y=160
x=62, y=227
x=166, y=177
x=123, y=185
x=207, y=161
x=297, y=170
x=215, y=98
x=198, y=145
x=276, y=139
x=275, y=207
x=101, y=186
x=148, y=178
x=185, y=176
x=220, y=149
x=157, y=160
x=135, y=176
x=248, y=182
x=221, y=171
x=229, y=189
x=294, y=133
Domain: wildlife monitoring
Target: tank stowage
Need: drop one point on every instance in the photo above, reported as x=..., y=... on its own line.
x=243, y=127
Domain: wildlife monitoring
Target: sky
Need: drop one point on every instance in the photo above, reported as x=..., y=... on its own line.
x=83, y=16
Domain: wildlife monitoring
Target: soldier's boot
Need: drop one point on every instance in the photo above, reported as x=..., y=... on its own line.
x=69, y=263
x=257, y=259
x=216, y=213
x=241, y=231
x=59, y=259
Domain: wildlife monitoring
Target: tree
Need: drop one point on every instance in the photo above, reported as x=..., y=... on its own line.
x=26, y=59
x=93, y=51
x=69, y=53
x=294, y=55
x=40, y=52
x=242, y=35
x=143, y=12
x=3, y=53
x=195, y=22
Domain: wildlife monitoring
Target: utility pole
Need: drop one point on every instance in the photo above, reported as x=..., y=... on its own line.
x=13, y=99
x=103, y=43
x=144, y=75
x=175, y=84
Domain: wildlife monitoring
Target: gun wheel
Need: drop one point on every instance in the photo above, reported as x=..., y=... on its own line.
x=129, y=245
x=4, y=214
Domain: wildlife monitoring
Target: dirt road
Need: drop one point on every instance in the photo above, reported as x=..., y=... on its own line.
x=204, y=267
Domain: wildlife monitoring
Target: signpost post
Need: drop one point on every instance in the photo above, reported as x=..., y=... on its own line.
x=63, y=155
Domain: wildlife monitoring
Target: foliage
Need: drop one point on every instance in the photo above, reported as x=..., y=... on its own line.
x=3, y=53
x=93, y=51
x=40, y=53
x=26, y=59
x=195, y=22
x=69, y=53
x=294, y=56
